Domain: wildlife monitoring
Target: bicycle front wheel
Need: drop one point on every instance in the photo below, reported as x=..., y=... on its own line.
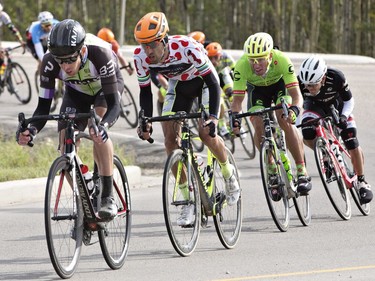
x=228, y=221
x=176, y=197
x=114, y=238
x=19, y=83
x=63, y=217
x=247, y=138
x=363, y=208
x=129, y=108
x=274, y=187
x=332, y=180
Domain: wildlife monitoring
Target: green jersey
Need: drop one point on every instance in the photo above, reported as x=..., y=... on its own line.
x=280, y=67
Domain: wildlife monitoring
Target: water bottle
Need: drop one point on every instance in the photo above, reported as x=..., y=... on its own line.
x=286, y=163
x=202, y=168
x=87, y=175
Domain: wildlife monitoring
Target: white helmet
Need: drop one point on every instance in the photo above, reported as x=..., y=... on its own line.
x=312, y=70
x=45, y=17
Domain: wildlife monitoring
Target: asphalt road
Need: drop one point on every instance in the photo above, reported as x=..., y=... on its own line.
x=328, y=249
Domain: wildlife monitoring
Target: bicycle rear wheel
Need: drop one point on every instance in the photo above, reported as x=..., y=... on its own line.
x=129, y=108
x=228, y=221
x=19, y=83
x=301, y=203
x=63, y=217
x=275, y=192
x=363, y=208
x=183, y=238
x=332, y=180
x=247, y=138
x=114, y=238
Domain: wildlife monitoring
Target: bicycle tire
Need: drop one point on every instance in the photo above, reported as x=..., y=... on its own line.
x=129, y=108
x=228, y=222
x=354, y=191
x=279, y=208
x=184, y=239
x=301, y=203
x=332, y=180
x=114, y=238
x=63, y=216
x=247, y=138
x=19, y=83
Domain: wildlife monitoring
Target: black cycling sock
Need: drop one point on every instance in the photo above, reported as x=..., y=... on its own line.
x=361, y=178
x=107, y=190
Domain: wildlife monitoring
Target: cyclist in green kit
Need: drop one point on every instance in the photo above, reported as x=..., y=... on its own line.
x=266, y=75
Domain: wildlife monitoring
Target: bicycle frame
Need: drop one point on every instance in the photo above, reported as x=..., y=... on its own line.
x=205, y=189
x=78, y=183
x=326, y=131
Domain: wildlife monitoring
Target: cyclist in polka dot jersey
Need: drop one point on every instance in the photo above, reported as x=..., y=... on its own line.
x=184, y=62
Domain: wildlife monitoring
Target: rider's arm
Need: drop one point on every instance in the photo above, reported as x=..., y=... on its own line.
x=144, y=74
x=47, y=89
x=345, y=94
x=214, y=89
x=8, y=22
x=39, y=50
x=145, y=100
x=110, y=82
x=240, y=83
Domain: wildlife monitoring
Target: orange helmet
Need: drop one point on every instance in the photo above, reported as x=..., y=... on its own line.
x=106, y=34
x=152, y=27
x=214, y=49
x=198, y=36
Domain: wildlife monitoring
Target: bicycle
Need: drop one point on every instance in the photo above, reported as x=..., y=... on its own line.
x=129, y=109
x=59, y=90
x=70, y=208
x=246, y=135
x=334, y=165
x=278, y=174
x=15, y=78
x=206, y=191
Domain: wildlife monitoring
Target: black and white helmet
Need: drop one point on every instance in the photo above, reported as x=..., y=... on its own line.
x=312, y=70
x=66, y=38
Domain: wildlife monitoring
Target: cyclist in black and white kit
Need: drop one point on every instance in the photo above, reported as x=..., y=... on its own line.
x=91, y=75
x=184, y=62
x=321, y=87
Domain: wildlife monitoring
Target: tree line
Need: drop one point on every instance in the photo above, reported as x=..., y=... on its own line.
x=318, y=26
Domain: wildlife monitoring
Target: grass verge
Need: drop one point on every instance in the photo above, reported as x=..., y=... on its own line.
x=19, y=162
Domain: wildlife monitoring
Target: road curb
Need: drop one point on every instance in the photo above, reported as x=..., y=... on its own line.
x=21, y=191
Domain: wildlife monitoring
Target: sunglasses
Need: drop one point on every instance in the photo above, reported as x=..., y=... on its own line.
x=67, y=60
x=46, y=25
x=151, y=45
x=258, y=60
